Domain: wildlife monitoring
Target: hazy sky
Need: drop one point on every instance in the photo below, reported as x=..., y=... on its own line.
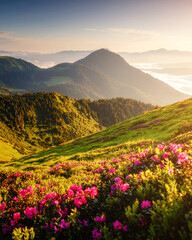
x=119, y=25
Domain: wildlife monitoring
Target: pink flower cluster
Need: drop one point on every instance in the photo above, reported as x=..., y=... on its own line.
x=170, y=171
x=119, y=184
x=62, y=225
x=182, y=157
x=79, y=195
x=161, y=146
x=25, y=192
x=100, y=219
x=145, y=204
x=16, y=216
x=137, y=162
x=118, y=226
x=83, y=222
x=175, y=147
x=96, y=235
x=30, y=212
x=3, y=206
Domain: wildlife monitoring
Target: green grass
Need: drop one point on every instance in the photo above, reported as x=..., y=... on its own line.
x=57, y=80
x=162, y=124
x=9, y=152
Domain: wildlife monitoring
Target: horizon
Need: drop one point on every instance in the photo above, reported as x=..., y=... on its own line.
x=123, y=26
x=93, y=50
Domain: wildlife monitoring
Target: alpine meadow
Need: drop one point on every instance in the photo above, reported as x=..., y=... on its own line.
x=96, y=120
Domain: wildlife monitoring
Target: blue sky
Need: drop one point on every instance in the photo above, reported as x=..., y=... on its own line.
x=120, y=25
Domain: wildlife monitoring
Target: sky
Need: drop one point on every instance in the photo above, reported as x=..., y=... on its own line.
x=119, y=25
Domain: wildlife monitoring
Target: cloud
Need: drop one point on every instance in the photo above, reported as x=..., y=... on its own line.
x=132, y=34
x=6, y=40
x=5, y=37
x=5, y=34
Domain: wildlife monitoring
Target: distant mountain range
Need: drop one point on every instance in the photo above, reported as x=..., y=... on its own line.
x=102, y=74
x=45, y=60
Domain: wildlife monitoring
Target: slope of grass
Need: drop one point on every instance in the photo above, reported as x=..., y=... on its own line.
x=161, y=124
x=122, y=183
x=36, y=121
x=8, y=150
x=57, y=80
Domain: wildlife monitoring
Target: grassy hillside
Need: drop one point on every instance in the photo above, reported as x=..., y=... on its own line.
x=31, y=122
x=36, y=121
x=162, y=124
x=111, y=111
x=16, y=73
x=122, y=183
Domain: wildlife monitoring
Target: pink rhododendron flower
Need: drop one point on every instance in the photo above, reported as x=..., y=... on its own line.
x=146, y=151
x=155, y=158
x=94, y=191
x=182, y=157
x=83, y=222
x=70, y=193
x=175, y=147
x=16, y=216
x=51, y=195
x=100, y=219
x=137, y=162
x=113, y=187
x=63, y=212
x=142, y=154
x=165, y=155
x=12, y=223
x=160, y=146
x=55, y=229
x=117, y=225
x=124, y=187
x=124, y=228
x=117, y=179
x=15, y=199
x=25, y=192
x=127, y=177
x=96, y=235
x=112, y=170
x=63, y=224
x=170, y=171
x=30, y=212
x=75, y=188
x=3, y=206
x=79, y=200
x=161, y=165
x=29, y=190
x=17, y=174
x=145, y=204
x=43, y=189
x=56, y=203
x=91, y=191
x=42, y=203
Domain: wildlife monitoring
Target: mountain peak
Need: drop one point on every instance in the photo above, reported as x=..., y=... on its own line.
x=103, y=58
x=102, y=53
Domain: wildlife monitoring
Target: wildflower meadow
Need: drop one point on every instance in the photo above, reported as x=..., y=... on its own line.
x=138, y=195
